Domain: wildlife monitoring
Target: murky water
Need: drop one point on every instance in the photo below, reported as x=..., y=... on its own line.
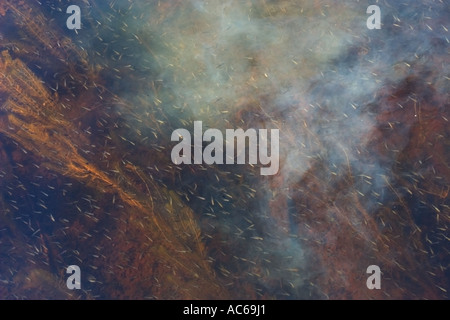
x=86, y=175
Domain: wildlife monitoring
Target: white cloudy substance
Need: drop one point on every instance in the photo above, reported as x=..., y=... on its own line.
x=311, y=69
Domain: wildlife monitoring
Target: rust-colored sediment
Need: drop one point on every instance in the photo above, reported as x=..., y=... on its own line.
x=159, y=240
